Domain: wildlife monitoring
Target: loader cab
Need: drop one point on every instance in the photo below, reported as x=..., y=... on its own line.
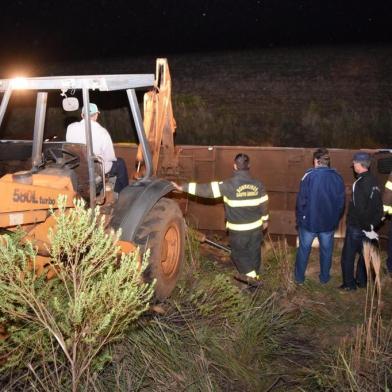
x=79, y=158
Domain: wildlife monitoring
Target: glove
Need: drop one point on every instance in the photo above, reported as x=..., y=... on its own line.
x=371, y=235
x=178, y=187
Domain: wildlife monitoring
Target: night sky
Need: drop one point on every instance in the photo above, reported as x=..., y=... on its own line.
x=74, y=30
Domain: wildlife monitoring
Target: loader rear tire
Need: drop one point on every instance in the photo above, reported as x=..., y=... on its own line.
x=163, y=233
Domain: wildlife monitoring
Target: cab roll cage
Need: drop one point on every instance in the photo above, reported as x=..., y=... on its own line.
x=128, y=82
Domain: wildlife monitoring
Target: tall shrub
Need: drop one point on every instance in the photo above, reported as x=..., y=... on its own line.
x=68, y=321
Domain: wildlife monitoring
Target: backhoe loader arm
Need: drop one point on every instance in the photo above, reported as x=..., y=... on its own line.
x=159, y=123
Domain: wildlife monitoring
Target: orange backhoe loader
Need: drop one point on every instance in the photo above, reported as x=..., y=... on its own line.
x=147, y=217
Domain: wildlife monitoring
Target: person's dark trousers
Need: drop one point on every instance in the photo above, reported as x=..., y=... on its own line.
x=245, y=250
x=119, y=170
x=353, y=246
x=305, y=246
x=389, y=259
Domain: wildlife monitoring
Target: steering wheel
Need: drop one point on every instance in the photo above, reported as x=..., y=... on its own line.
x=57, y=155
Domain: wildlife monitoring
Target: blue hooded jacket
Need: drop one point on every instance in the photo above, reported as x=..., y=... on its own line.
x=320, y=201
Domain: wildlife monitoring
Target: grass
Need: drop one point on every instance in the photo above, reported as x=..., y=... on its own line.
x=217, y=335
x=363, y=361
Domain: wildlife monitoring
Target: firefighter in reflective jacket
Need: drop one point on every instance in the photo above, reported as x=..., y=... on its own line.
x=387, y=203
x=246, y=208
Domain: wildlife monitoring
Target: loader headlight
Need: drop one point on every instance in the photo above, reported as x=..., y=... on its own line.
x=18, y=83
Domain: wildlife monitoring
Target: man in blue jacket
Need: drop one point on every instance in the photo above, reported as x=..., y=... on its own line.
x=320, y=204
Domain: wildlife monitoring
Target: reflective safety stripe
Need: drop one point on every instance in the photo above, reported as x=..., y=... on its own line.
x=252, y=274
x=244, y=226
x=265, y=218
x=192, y=188
x=388, y=185
x=215, y=189
x=245, y=203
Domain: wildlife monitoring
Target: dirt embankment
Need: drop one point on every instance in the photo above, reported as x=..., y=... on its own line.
x=337, y=97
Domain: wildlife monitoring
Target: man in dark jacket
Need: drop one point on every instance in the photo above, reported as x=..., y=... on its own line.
x=246, y=208
x=320, y=204
x=387, y=205
x=364, y=215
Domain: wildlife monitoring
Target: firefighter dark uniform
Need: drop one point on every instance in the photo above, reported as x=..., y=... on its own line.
x=364, y=214
x=246, y=208
x=387, y=205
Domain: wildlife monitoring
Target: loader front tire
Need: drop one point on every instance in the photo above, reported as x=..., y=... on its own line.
x=163, y=233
